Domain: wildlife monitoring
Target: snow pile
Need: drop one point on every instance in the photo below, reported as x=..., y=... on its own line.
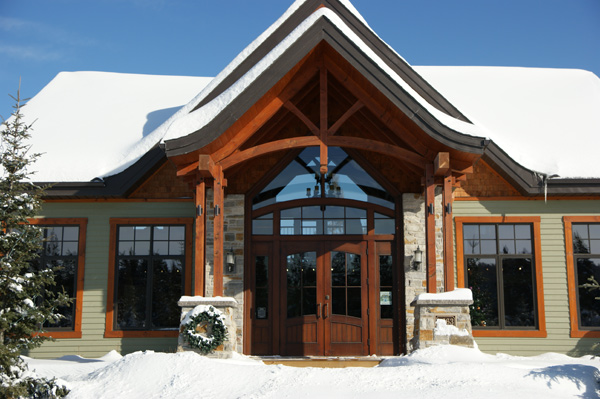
x=441, y=328
x=443, y=371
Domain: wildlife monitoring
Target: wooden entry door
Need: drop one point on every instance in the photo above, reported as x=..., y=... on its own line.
x=324, y=297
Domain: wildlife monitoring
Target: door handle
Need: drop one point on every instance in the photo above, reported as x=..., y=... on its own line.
x=318, y=311
x=326, y=306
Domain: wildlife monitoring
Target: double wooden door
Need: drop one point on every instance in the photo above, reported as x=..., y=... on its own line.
x=323, y=293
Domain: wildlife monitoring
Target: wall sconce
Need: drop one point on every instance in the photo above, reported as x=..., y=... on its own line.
x=417, y=258
x=230, y=261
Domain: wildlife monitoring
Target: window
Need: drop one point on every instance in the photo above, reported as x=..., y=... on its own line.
x=63, y=250
x=582, y=239
x=499, y=259
x=150, y=269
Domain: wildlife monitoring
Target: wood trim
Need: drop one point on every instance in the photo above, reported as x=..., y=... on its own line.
x=82, y=223
x=430, y=230
x=568, y=221
x=539, y=275
x=110, y=332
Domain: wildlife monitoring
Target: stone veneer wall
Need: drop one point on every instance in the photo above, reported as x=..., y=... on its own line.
x=233, y=230
x=413, y=206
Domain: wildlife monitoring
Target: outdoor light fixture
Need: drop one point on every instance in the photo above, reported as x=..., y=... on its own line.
x=417, y=258
x=230, y=261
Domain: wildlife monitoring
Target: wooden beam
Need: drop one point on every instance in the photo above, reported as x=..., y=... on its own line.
x=299, y=80
x=336, y=126
x=200, y=238
x=441, y=164
x=430, y=229
x=273, y=146
x=380, y=111
x=294, y=110
x=191, y=168
x=448, y=233
x=379, y=147
x=219, y=201
x=323, y=120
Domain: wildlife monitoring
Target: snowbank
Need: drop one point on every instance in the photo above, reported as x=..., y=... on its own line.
x=443, y=371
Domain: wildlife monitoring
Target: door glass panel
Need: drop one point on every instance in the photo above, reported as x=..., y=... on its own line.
x=261, y=281
x=354, y=302
x=346, y=283
x=301, y=284
x=385, y=287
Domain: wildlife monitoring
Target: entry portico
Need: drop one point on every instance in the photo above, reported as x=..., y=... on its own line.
x=322, y=146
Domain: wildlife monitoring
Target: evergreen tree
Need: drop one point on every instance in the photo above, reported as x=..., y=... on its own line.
x=26, y=298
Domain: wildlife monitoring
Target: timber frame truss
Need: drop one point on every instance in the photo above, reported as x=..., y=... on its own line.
x=334, y=105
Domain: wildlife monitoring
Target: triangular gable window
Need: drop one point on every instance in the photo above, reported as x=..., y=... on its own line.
x=301, y=179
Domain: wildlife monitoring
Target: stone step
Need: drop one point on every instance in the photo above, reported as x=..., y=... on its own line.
x=321, y=362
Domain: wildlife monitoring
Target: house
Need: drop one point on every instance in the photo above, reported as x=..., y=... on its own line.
x=307, y=181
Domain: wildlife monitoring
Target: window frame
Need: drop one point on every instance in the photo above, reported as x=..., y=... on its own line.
x=110, y=331
x=79, y=283
x=540, y=332
x=576, y=330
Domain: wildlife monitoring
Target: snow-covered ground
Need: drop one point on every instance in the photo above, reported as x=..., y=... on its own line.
x=437, y=372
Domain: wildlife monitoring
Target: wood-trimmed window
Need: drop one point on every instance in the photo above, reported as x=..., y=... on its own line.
x=582, y=241
x=150, y=267
x=499, y=258
x=64, y=250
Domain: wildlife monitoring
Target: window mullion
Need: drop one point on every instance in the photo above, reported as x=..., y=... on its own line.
x=150, y=281
x=500, y=277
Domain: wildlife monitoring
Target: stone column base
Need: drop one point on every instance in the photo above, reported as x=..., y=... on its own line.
x=226, y=306
x=443, y=319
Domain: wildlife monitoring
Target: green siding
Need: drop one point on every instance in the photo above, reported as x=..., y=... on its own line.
x=92, y=343
x=554, y=269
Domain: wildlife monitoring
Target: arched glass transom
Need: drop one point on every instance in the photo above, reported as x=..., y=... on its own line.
x=301, y=179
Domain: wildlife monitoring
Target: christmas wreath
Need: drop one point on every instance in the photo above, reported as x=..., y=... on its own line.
x=204, y=329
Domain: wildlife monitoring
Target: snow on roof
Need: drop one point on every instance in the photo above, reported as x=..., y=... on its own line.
x=548, y=120
x=96, y=124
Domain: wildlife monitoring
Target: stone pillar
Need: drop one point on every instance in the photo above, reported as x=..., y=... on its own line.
x=227, y=307
x=443, y=319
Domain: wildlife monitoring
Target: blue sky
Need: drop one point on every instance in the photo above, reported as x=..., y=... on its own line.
x=39, y=38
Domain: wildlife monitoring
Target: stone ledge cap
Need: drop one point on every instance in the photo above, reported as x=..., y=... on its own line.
x=442, y=302
x=460, y=296
x=191, y=301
